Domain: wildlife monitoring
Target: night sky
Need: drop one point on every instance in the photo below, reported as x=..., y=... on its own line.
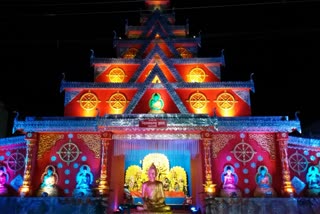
x=278, y=42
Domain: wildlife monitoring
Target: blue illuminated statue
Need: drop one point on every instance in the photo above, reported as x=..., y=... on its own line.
x=84, y=181
x=49, y=179
x=313, y=181
x=156, y=104
x=264, y=183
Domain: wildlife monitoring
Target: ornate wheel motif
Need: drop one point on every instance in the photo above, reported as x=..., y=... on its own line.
x=116, y=75
x=298, y=162
x=243, y=152
x=117, y=101
x=89, y=101
x=130, y=53
x=198, y=100
x=16, y=161
x=184, y=53
x=197, y=75
x=225, y=101
x=69, y=152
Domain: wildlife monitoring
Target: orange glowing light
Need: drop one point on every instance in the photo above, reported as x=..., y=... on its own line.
x=209, y=188
x=228, y=113
x=24, y=190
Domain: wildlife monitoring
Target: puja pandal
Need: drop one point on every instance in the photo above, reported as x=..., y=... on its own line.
x=158, y=103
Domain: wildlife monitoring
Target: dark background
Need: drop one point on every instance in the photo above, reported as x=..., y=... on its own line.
x=277, y=41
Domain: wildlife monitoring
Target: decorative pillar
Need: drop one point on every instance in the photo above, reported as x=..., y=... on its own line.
x=287, y=189
x=103, y=187
x=26, y=188
x=209, y=187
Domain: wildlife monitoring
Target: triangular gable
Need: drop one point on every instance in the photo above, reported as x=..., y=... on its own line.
x=164, y=83
x=169, y=45
x=70, y=95
x=214, y=69
x=157, y=60
x=157, y=28
x=145, y=62
x=156, y=19
x=244, y=95
x=98, y=70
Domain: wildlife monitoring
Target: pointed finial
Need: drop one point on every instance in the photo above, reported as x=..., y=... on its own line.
x=92, y=56
x=17, y=115
x=114, y=34
x=222, y=58
x=251, y=77
x=15, y=120
x=92, y=53
x=296, y=115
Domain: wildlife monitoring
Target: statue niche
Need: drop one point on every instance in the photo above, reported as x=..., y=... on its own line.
x=313, y=181
x=229, y=183
x=264, y=183
x=153, y=195
x=49, y=180
x=156, y=104
x=174, y=179
x=84, y=181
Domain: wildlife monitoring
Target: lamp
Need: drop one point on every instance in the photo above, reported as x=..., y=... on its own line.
x=210, y=188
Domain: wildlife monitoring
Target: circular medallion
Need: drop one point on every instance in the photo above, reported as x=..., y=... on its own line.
x=130, y=53
x=117, y=101
x=225, y=101
x=69, y=152
x=198, y=100
x=298, y=162
x=184, y=53
x=89, y=101
x=197, y=75
x=243, y=152
x=16, y=161
x=116, y=75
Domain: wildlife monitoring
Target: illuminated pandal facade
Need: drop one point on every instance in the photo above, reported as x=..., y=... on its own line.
x=158, y=102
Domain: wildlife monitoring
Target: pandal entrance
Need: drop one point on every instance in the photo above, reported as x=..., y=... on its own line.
x=172, y=158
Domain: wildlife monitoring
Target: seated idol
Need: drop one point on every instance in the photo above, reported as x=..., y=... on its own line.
x=313, y=181
x=84, y=181
x=264, y=183
x=153, y=196
x=229, y=183
x=49, y=179
x=4, y=178
x=156, y=104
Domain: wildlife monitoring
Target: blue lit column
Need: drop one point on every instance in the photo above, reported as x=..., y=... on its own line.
x=287, y=189
x=103, y=186
x=26, y=188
